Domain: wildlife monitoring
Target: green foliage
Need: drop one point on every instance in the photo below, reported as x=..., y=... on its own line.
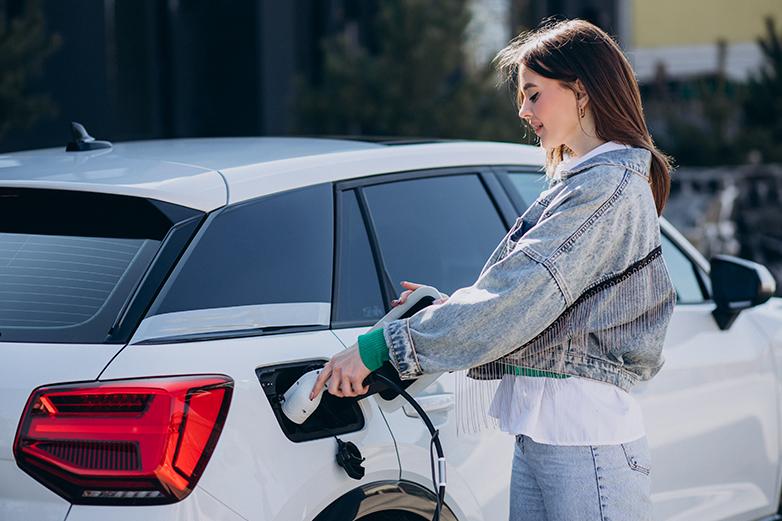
x=410, y=78
x=716, y=121
x=24, y=46
x=701, y=122
x=762, y=102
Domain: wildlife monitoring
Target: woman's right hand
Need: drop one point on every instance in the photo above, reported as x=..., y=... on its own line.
x=410, y=287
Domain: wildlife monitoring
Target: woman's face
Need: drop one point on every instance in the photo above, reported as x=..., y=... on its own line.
x=549, y=108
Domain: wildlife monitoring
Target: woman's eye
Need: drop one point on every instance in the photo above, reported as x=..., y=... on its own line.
x=535, y=96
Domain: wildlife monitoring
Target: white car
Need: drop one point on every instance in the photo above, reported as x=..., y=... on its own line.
x=156, y=298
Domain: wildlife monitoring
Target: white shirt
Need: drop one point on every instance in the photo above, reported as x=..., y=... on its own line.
x=568, y=411
x=569, y=162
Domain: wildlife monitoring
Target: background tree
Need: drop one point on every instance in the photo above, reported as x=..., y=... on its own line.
x=697, y=120
x=714, y=120
x=762, y=103
x=408, y=77
x=24, y=47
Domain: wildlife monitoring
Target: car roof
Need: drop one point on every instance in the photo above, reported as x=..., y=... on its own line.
x=207, y=173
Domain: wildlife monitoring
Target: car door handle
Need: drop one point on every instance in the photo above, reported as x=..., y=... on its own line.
x=430, y=403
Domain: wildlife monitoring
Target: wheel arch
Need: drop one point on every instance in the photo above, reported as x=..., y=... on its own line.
x=380, y=496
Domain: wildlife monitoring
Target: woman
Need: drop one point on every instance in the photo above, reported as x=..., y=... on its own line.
x=570, y=310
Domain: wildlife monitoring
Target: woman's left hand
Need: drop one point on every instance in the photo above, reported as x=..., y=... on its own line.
x=346, y=371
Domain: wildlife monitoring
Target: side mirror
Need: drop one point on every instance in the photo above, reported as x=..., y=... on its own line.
x=738, y=284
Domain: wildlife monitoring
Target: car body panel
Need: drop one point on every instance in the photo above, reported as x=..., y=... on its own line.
x=108, y=172
x=271, y=477
x=478, y=465
x=198, y=505
x=24, y=367
x=711, y=416
x=22, y=497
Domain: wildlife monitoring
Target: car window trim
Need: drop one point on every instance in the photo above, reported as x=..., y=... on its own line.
x=171, y=250
x=701, y=270
x=336, y=281
x=697, y=273
x=502, y=173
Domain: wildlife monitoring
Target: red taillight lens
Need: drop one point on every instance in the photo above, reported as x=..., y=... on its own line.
x=123, y=441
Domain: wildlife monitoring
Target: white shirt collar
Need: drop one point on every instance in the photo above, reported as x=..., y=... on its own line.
x=570, y=162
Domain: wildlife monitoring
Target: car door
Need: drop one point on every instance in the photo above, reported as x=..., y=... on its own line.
x=436, y=228
x=250, y=299
x=711, y=411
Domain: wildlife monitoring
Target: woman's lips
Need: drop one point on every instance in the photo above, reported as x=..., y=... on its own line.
x=537, y=128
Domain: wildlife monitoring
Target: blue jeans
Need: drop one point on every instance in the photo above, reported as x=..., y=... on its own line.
x=585, y=482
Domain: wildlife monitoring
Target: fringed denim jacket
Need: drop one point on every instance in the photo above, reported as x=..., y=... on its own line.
x=578, y=286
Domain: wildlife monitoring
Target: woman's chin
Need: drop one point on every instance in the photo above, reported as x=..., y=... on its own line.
x=548, y=143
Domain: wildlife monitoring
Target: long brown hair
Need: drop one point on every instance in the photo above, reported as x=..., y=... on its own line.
x=568, y=50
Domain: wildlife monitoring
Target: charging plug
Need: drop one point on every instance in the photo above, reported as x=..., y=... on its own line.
x=296, y=403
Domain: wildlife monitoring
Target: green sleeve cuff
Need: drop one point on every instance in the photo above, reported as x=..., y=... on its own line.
x=373, y=349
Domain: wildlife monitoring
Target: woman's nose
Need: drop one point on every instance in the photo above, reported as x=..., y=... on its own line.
x=524, y=112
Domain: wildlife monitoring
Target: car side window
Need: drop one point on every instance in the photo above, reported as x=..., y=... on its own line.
x=437, y=230
x=683, y=274
x=358, y=299
x=525, y=187
x=272, y=250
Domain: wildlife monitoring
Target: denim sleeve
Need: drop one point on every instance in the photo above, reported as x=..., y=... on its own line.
x=513, y=299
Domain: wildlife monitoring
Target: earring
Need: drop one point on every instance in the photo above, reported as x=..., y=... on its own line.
x=583, y=112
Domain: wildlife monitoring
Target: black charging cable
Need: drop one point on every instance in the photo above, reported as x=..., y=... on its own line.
x=438, y=481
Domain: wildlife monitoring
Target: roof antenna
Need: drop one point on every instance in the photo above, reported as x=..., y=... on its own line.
x=82, y=141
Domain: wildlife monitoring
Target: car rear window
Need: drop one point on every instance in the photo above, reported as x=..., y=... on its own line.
x=69, y=261
x=56, y=281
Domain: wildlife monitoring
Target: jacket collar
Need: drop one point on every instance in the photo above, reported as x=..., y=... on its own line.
x=639, y=160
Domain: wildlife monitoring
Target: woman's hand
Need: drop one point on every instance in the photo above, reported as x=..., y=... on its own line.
x=346, y=371
x=411, y=286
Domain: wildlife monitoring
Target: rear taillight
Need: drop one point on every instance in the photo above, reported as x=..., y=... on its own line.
x=123, y=441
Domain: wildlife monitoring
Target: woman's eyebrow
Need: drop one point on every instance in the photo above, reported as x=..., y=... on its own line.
x=528, y=85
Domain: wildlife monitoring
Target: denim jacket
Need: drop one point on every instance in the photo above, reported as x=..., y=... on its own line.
x=578, y=286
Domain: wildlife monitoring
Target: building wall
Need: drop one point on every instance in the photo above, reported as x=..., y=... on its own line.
x=664, y=23
x=682, y=35
x=145, y=69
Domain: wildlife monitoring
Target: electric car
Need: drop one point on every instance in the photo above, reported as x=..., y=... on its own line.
x=158, y=297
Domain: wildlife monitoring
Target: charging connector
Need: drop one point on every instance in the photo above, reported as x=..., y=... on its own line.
x=438, y=480
x=297, y=406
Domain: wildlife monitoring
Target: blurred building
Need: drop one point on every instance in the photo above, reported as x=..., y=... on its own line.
x=680, y=35
x=137, y=69
x=143, y=69
x=683, y=36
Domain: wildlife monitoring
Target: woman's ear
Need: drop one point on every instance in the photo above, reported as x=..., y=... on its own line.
x=582, y=98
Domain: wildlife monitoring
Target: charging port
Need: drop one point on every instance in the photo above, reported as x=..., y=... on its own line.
x=334, y=416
